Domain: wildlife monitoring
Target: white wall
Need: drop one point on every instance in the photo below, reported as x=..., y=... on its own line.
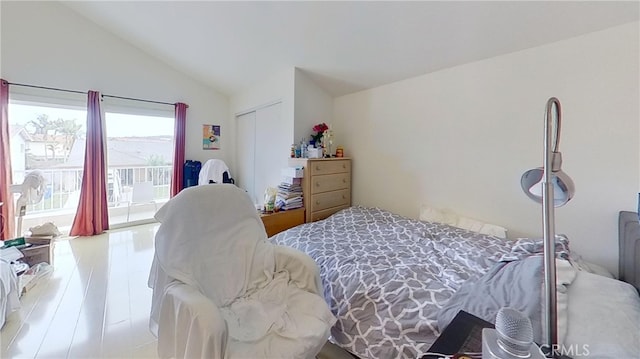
x=313, y=105
x=47, y=44
x=276, y=88
x=461, y=138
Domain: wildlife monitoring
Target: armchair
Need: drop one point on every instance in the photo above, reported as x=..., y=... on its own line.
x=221, y=290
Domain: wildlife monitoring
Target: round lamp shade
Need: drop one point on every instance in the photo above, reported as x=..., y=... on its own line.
x=563, y=187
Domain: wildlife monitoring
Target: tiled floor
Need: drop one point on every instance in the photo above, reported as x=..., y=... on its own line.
x=95, y=304
x=117, y=216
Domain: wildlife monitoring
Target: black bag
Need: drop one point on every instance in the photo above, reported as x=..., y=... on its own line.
x=225, y=178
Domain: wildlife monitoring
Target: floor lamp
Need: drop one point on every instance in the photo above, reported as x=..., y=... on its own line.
x=553, y=188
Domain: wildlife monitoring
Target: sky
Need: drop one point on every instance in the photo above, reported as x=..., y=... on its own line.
x=117, y=125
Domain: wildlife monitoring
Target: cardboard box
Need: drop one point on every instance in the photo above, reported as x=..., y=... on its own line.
x=38, y=254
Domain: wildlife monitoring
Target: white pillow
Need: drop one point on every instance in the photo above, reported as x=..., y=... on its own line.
x=604, y=318
x=453, y=219
x=581, y=264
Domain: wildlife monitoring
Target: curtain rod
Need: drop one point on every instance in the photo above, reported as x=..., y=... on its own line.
x=84, y=93
x=46, y=88
x=138, y=99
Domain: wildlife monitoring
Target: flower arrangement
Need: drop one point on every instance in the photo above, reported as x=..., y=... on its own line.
x=319, y=132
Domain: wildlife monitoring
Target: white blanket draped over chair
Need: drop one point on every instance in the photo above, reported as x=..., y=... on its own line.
x=221, y=290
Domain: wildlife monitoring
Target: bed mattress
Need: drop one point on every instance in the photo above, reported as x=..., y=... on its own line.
x=385, y=276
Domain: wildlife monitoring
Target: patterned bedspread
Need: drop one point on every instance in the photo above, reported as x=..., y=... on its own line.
x=386, y=276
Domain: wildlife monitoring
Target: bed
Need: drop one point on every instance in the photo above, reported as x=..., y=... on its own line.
x=387, y=279
x=384, y=274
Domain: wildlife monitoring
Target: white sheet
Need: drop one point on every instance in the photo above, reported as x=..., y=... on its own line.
x=583, y=265
x=190, y=324
x=212, y=240
x=604, y=318
x=9, y=291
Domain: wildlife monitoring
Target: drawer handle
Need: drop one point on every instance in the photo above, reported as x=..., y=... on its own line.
x=344, y=165
x=344, y=180
x=344, y=197
x=317, y=168
x=317, y=202
x=317, y=184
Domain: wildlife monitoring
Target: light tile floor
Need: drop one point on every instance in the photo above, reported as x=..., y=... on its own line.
x=95, y=304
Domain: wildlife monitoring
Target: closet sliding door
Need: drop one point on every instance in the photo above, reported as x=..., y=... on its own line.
x=245, y=152
x=263, y=148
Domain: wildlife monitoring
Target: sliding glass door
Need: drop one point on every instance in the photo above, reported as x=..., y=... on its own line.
x=48, y=138
x=140, y=159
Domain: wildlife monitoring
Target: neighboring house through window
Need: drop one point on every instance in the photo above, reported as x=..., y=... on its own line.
x=42, y=136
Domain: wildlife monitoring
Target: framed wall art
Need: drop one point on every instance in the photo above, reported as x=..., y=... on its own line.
x=210, y=137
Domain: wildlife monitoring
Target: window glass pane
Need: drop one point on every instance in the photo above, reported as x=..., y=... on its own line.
x=140, y=158
x=48, y=138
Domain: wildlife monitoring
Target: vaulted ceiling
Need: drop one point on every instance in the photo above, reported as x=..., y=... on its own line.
x=343, y=46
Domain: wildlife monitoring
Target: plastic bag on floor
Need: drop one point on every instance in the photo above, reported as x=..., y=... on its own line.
x=34, y=275
x=45, y=229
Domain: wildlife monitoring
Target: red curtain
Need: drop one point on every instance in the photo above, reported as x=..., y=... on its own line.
x=6, y=197
x=92, y=216
x=178, y=151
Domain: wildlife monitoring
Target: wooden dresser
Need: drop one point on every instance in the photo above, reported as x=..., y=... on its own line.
x=326, y=186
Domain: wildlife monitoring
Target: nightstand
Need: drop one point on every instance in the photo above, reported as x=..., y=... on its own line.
x=277, y=222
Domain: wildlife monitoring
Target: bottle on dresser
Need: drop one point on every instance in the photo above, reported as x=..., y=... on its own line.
x=303, y=148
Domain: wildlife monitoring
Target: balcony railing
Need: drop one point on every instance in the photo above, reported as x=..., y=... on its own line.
x=63, y=186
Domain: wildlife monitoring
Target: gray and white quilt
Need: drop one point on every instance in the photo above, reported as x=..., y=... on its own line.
x=385, y=276
x=515, y=282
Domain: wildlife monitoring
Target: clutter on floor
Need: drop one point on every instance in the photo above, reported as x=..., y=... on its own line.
x=34, y=276
x=31, y=257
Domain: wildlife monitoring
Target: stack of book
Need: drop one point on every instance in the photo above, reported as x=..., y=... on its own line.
x=289, y=194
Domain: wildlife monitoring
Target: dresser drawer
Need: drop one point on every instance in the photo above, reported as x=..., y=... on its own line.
x=325, y=183
x=326, y=200
x=330, y=167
